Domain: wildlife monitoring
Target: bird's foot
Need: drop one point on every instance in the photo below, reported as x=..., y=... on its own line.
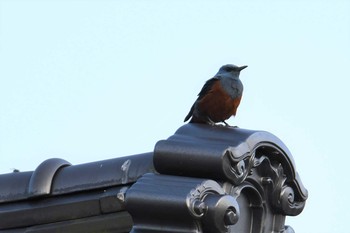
x=227, y=125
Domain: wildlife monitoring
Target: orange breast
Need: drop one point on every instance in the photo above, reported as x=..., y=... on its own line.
x=218, y=105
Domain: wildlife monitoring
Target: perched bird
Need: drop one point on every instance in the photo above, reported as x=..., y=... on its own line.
x=219, y=98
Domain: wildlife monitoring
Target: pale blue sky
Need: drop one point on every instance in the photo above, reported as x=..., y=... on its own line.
x=92, y=80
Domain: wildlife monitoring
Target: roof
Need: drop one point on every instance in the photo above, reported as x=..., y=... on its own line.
x=56, y=177
x=201, y=179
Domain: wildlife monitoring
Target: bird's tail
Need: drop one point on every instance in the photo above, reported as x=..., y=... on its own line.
x=189, y=115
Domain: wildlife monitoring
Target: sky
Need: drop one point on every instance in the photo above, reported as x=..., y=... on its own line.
x=98, y=79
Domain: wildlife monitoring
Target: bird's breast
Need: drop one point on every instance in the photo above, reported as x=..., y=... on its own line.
x=218, y=104
x=232, y=86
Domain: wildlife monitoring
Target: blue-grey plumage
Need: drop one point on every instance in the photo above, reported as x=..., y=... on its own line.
x=229, y=79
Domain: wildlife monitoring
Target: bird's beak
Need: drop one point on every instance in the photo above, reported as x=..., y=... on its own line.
x=242, y=67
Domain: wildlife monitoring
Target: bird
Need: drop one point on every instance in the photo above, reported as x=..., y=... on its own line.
x=219, y=98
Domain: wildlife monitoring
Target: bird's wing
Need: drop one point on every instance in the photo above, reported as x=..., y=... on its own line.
x=205, y=89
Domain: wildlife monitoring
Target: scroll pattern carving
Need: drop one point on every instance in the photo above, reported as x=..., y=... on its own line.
x=285, y=193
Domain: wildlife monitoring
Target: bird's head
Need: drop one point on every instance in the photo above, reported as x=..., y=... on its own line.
x=231, y=70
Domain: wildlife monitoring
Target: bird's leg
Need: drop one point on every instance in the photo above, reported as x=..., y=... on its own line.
x=226, y=124
x=210, y=121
